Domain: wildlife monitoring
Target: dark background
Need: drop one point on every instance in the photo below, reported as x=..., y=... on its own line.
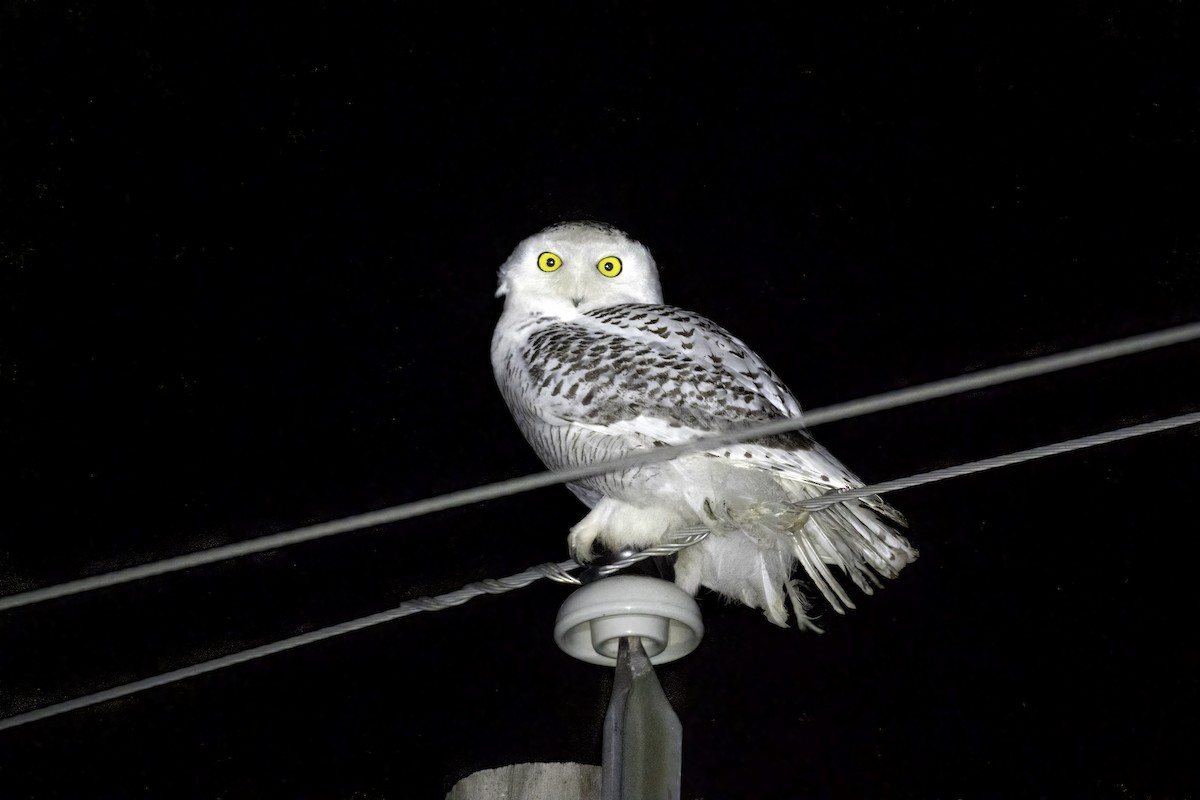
x=247, y=260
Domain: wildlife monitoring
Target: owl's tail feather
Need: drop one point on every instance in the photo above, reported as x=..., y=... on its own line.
x=752, y=558
x=853, y=537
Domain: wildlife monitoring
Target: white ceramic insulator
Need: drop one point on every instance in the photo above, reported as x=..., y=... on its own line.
x=595, y=617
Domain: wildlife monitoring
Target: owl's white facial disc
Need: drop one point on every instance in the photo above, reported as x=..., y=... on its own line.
x=576, y=266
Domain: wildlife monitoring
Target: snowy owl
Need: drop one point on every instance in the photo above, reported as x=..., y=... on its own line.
x=593, y=366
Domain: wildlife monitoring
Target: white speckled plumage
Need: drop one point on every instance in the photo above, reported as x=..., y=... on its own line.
x=594, y=366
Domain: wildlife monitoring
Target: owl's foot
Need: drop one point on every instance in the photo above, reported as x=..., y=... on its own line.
x=618, y=525
x=580, y=541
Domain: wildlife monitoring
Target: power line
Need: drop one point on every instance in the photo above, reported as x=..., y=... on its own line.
x=832, y=498
x=841, y=411
x=559, y=572
x=1042, y=365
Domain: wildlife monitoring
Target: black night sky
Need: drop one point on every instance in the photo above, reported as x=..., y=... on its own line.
x=247, y=264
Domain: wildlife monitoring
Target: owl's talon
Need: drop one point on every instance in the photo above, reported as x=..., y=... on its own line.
x=579, y=544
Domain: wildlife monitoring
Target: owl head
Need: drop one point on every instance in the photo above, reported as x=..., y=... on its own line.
x=576, y=266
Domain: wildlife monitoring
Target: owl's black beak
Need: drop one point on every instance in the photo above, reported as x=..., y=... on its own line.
x=577, y=301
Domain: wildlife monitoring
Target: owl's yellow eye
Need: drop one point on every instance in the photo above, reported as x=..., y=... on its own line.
x=609, y=266
x=548, y=262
